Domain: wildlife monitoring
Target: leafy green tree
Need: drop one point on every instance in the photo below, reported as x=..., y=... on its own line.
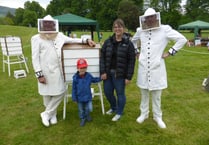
x=197, y=10
x=30, y=18
x=56, y=7
x=29, y=15
x=18, y=19
x=166, y=5
x=172, y=18
x=36, y=7
x=8, y=19
x=1, y=21
x=129, y=12
x=9, y=15
x=94, y=8
x=104, y=11
x=108, y=13
x=170, y=11
x=139, y=4
x=79, y=7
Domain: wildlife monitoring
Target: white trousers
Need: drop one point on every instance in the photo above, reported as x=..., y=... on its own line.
x=156, y=102
x=51, y=104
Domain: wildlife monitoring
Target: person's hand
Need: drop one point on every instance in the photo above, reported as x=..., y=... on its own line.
x=127, y=81
x=104, y=76
x=42, y=80
x=91, y=43
x=165, y=55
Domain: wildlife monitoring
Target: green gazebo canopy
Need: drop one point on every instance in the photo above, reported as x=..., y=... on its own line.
x=69, y=20
x=196, y=26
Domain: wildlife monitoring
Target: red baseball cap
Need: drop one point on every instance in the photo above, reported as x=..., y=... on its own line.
x=81, y=63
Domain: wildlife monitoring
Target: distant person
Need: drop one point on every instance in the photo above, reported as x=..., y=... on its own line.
x=100, y=35
x=190, y=43
x=117, y=63
x=199, y=35
x=68, y=32
x=152, y=77
x=208, y=46
x=46, y=59
x=81, y=90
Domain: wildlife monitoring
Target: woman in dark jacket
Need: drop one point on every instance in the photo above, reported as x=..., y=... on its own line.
x=117, y=67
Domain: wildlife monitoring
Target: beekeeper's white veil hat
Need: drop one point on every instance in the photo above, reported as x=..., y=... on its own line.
x=149, y=11
x=48, y=17
x=154, y=23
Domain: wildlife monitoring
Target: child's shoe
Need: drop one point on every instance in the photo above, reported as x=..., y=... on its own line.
x=82, y=123
x=88, y=118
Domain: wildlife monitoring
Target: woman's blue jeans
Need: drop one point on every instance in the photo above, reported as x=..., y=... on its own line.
x=118, y=85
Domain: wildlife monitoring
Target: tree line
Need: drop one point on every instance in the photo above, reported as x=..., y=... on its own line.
x=106, y=11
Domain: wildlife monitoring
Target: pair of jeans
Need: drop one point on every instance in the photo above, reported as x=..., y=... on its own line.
x=83, y=108
x=90, y=106
x=118, y=85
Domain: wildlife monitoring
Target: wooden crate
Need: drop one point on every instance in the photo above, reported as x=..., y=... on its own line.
x=72, y=52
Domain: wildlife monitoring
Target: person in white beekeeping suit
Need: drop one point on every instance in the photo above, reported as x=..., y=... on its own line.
x=46, y=59
x=152, y=75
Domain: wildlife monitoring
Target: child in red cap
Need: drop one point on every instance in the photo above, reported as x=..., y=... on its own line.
x=81, y=90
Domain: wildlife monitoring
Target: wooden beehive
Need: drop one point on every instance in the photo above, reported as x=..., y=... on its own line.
x=72, y=52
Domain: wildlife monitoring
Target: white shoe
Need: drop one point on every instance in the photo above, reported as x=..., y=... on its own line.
x=116, y=117
x=53, y=120
x=45, y=119
x=109, y=112
x=141, y=118
x=160, y=122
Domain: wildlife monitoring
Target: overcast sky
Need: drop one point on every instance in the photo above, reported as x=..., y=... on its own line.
x=20, y=3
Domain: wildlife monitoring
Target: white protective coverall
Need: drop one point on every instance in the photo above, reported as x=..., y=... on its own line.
x=46, y=58
x=152, y=70
x=152, y=74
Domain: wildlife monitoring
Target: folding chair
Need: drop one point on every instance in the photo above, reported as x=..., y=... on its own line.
x=12, y=52
x=99, y=93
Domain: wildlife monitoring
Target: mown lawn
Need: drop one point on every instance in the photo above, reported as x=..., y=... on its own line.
x=185, y=107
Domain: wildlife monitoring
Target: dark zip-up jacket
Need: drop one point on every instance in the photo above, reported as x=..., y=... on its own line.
x=125, y=57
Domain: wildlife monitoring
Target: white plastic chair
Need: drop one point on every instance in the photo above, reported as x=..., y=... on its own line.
x=99, y=93
x=12, y=52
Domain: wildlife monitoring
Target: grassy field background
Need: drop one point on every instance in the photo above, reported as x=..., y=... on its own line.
x=185, y=107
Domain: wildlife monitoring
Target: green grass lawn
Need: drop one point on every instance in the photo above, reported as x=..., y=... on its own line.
x=185, y=107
